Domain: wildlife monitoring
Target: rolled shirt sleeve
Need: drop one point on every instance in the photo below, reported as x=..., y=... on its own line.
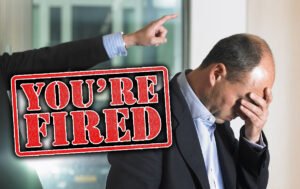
x=260, y=145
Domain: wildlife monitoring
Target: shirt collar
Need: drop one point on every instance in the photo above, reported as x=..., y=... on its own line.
x=197, y=108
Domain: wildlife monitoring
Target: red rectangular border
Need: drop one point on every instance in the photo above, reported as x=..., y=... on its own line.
x=91, y=73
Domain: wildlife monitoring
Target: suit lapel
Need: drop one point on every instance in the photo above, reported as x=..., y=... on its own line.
x=185, y=134
x=226, y=161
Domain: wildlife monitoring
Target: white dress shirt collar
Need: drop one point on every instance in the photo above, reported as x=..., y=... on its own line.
x=197, y=108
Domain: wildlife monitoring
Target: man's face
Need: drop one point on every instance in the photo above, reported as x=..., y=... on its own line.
x=226, y=95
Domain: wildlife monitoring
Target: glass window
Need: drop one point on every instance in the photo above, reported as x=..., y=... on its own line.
x=58, y=21
x=89, y=21
x=55, y=25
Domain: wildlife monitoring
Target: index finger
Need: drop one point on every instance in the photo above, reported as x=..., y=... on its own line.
x=163, y=19
x=258, y=100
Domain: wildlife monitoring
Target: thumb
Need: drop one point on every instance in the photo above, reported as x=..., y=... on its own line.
x=158, y=40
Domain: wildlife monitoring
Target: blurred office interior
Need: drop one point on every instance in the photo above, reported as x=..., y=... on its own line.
x=27, y=24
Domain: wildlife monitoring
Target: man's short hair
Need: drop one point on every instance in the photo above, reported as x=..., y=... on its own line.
x=239, y=53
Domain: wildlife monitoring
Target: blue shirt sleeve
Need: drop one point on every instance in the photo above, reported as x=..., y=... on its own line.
x=114, y=45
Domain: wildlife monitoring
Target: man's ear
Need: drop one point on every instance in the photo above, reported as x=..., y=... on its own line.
x=217, y=73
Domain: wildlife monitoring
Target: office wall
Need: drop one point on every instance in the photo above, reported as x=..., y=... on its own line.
x=278, y=22
x=212, y=20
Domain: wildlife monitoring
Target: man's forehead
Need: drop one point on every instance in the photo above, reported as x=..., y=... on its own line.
x=259, y=78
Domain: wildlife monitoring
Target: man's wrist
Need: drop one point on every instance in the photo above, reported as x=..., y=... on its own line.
x=129, y=40
x=252, y=137
x=257, y=143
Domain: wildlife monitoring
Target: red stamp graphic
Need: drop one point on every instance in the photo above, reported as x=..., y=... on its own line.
x=91, y=111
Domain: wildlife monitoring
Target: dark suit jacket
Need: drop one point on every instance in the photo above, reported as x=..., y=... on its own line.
x=182, y=165
x=69, y=56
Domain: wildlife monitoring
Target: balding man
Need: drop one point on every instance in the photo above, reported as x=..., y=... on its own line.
x=235, y=79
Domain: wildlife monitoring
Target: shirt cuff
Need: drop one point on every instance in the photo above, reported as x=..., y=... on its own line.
x=114, y=45
x=259, y=145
